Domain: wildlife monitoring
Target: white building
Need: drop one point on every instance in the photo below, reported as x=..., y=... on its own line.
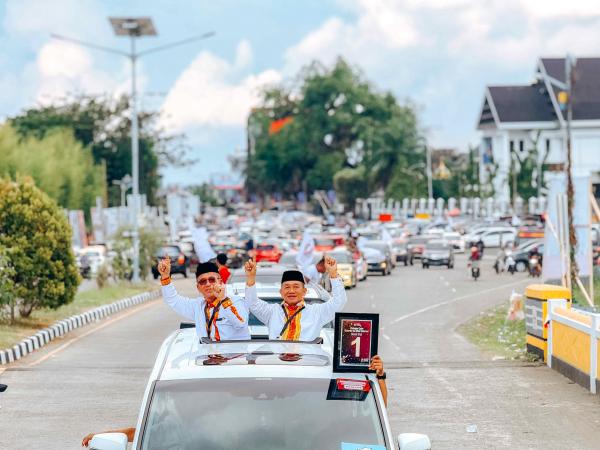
x=519, y=118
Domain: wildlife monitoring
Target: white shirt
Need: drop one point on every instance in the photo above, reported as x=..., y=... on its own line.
x=311, y=273
x=229, y=325
x=312, y=318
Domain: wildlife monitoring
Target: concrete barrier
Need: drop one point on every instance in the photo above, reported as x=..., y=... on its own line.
x=62, y=327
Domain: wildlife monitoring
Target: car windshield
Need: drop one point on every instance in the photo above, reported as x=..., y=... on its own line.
x=187, y=247
x=437, y=246
x=260, y=278
x=343, y=258
x=288, y=259
x=265, y=247
x=168, y=250
x=383, y=248
x=418, y=240
x=324, y=242
x=259, y=413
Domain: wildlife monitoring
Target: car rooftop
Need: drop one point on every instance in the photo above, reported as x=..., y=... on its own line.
x=187, y=358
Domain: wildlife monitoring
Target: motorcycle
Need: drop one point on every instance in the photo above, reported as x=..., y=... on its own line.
x=535, y=269
x=511, y=265
x=499, y=264
x=475, y=271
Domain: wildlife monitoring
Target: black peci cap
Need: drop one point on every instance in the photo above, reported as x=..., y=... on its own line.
x=292, y=275
x=206, y=268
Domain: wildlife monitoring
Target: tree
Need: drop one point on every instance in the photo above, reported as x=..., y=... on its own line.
x=102, y=125
x=35, y=233
x=328, y=120
x=7, y=285
x=58, y=164
x=122, y=263
x=351, y=185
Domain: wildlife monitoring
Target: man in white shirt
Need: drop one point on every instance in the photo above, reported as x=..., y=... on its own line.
x=215, y=315
x=293, y=320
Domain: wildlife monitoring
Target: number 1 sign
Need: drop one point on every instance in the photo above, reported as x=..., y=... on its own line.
x=355, y=341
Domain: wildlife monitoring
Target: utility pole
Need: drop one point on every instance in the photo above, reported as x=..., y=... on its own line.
x=429, y=172
x=134, y=27
x=570, y=79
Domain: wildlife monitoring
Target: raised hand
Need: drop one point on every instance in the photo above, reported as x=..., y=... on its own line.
x=331, y=266
x=377, y=365
x=164, y=267
x=250, y=268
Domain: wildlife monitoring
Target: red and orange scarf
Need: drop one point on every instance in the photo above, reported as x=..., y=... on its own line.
x=211, y=315
x=293, y=315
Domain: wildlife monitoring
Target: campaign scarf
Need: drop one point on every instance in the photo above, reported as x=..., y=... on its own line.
x=291, y=329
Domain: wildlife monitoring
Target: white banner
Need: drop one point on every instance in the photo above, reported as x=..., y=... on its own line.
x=201, y=245
x=553, y=267
x=306, y=252
x=582, y=219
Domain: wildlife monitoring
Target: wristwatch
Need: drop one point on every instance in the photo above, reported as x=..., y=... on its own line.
x=381, y=377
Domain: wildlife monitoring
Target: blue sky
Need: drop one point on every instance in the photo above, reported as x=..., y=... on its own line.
x=440, y=54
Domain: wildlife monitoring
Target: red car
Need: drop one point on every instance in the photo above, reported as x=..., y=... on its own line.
x=267, y=252
x=327, y=242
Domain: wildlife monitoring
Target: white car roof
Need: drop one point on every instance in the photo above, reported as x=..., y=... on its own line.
x=184, y=357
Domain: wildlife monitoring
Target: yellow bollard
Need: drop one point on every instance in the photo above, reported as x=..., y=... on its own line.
x=536, y=312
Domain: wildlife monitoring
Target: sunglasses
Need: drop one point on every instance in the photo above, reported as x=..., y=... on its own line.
x=205, y=281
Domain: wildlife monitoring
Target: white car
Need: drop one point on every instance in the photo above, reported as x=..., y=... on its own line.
x=456, y=240
x=257, y=395
x=492, y=236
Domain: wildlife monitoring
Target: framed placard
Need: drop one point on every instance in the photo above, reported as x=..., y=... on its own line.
x=355, y=341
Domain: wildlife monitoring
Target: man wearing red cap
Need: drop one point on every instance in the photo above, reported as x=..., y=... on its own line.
x=216, y=316
x=293, y=320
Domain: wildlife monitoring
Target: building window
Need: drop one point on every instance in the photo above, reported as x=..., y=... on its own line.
x=521, y=146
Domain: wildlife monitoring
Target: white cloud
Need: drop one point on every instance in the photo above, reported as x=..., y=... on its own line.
x=211, y=92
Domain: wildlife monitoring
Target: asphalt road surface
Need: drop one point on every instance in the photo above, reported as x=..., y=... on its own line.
x=94, y=378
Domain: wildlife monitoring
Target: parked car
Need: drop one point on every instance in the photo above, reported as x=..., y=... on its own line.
x=438, y=253
x=267, y=252
x=96, y=256
x=179, y=262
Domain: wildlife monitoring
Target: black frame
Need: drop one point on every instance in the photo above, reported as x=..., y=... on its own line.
x=338, y=366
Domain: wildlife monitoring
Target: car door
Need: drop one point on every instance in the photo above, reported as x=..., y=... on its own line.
x=508, y=237
x=491, y=239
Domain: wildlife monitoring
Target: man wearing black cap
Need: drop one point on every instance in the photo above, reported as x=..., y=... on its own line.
x=293, y=320
x=215, y=315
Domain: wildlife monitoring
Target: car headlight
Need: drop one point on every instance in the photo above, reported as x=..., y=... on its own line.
x=383, y=265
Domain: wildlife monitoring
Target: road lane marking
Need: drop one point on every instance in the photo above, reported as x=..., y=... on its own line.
x=87, y=333
x=454, y=300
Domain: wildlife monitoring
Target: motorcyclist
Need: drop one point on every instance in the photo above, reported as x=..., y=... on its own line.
x=534, y=254
x=500, y=260
x=474, y=259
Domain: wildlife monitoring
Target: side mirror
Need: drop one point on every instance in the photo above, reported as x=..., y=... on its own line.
x=109, y=441
x=414, y=441
x=3, y=387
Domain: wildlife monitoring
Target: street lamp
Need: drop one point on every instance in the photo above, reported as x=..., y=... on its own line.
x=124, y=183
x=134, y=27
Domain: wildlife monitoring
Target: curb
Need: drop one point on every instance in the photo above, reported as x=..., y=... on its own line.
x=62, y=327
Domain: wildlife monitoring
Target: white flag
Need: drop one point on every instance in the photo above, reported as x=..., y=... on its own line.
x=306, y=252
x=386, y=236
x=201, y=244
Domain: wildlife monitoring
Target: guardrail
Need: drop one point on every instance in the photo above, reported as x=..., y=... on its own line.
x=573, y=343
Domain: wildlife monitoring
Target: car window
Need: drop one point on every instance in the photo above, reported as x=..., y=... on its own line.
x=172, y=251
x=265, y=247
x=437, y=246
x=324, y=242
x=343, y=258
x=259, y=413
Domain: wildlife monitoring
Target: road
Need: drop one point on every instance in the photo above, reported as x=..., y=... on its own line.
x=439, y=383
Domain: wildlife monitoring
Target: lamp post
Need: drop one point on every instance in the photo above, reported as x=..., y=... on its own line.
x=124, y=183
x=134, y=27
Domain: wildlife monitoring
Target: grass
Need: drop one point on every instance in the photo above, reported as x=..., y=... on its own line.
x=492, y=333
x=84, y=301
x=579, y=298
